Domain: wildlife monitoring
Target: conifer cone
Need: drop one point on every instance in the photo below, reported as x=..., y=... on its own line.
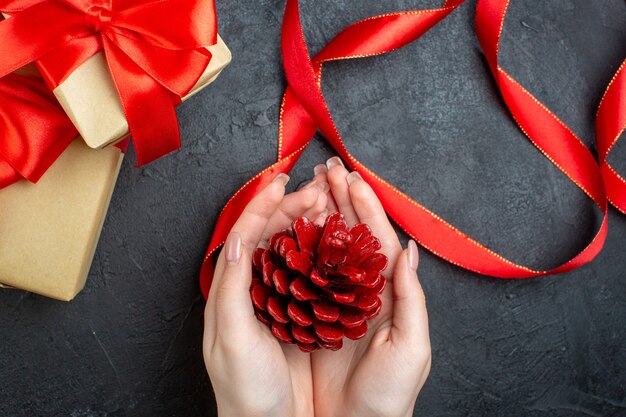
x=315, y=285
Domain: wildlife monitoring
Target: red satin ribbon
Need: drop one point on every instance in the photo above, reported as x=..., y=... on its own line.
x=155, y=52
x=29, y=118
x=610, y=125
x=304, y=111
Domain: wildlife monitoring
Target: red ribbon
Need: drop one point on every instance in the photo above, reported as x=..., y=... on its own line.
x=610, y=124
x=35, y=129
x=155, y=52
x=304, y=110
x=29, y=118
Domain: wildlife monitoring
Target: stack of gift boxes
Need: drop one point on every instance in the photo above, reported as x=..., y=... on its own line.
x=65, y=123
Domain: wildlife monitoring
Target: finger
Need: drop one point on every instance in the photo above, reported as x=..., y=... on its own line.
x=410, y=317
x=224, y=290
x=258, y=212
x=320, y=220
x=371, y=212
x=309, y=202
x=208, y=337
x=337, y=174
x=319, y=209
x=320, y=175
x=249, y=226
x=320, y=205
x=234, y=313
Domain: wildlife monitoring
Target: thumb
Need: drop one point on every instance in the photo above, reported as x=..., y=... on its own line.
x=410, y=318
x=233, y=308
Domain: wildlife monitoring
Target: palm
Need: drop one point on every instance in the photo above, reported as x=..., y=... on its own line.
x=353, y=374
x=381, y=373
x=252, y=373
x=289, y=369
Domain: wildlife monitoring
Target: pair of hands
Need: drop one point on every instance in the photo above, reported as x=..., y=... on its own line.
x=253, y=374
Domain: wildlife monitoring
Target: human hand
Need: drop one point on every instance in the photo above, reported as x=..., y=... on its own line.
x=252, y=373
x=382, y=373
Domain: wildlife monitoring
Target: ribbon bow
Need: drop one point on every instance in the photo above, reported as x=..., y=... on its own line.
x=155, y=52
x=29, y=117
x=304, y=110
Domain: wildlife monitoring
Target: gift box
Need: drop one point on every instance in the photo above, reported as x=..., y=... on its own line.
x=89, y=98
x=49, y=230
x=117, y=67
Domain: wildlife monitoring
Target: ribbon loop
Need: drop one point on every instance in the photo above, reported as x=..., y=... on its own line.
x=29, y=117
x=304, y=109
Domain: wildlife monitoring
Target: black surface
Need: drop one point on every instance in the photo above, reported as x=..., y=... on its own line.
x=427, y=118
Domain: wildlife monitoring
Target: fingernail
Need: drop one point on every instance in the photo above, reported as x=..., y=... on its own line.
x=333, y=162
x=232, y=246
x=353, y=176
x=322, y=186
x=282, y=178
x=321, y=219
x=320, y=169
x=412, y=255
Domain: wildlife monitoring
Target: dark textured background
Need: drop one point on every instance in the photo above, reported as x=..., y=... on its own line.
x=427, y=118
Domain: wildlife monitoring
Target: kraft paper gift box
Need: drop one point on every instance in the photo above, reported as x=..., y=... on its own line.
x=90, y=99
x=49, y=230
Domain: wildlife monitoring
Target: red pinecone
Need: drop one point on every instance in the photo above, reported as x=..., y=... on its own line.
x=314, y=285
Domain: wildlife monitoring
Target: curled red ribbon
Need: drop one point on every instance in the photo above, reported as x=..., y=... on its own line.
x=155, y=51
x=304, y=111
x=610, y=125
x=29, y=118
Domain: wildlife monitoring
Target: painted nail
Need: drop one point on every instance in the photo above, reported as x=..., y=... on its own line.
x=282, y=178
x=232, y=246
x=412, y=255
x=333, y=162
x=353, y=176
x=320, y=169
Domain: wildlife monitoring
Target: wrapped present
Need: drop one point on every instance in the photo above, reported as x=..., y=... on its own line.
x=35, y=130
x=53, y=191
x=89, y=98
x=117, y=67
x=49, y=230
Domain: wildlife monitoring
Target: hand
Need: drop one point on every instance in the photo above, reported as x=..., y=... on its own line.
x=252, y=373
x=381, y=374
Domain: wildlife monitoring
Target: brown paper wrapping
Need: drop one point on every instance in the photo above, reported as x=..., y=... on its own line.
x=49, y=230
x=90, y=99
